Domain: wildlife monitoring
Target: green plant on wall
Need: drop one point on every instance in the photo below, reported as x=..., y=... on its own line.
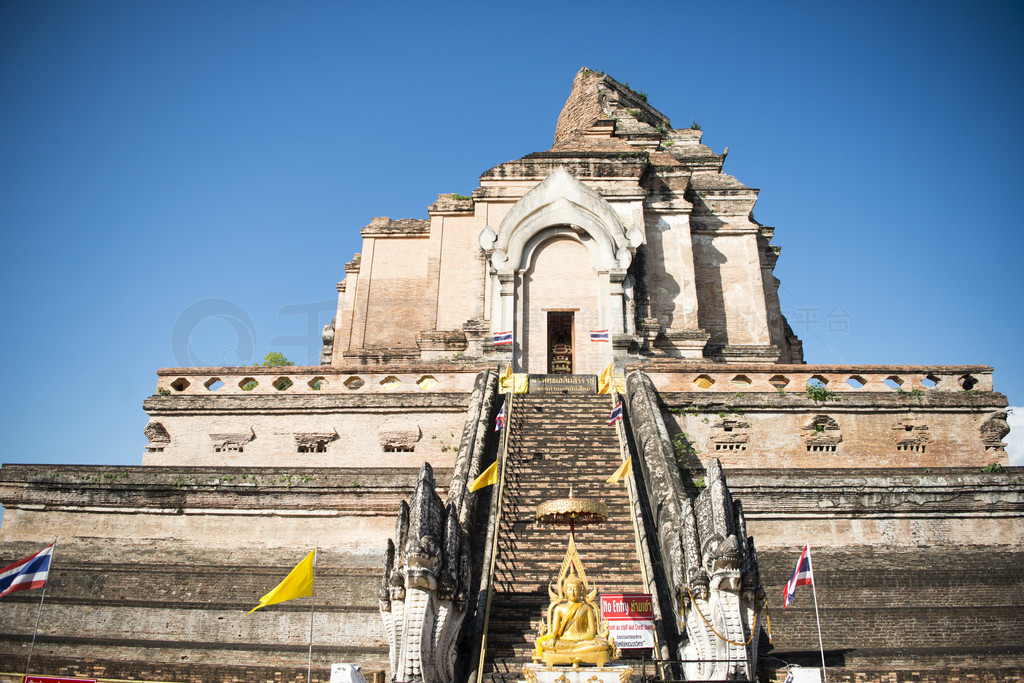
x=818, y=392
x=685, y=452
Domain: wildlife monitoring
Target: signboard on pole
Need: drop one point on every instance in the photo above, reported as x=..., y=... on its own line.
x=56, y=679
x=629, y=618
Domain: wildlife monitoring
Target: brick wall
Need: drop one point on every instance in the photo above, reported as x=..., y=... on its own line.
x=164, y=611
x=887, y=609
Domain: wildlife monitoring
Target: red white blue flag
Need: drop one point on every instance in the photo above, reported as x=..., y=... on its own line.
x=499, y=422
x=802, y=576
x=26, y=574
x=616, y=415
x=599, y=335
x=501, y=338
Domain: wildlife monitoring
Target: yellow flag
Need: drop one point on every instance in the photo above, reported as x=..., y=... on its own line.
x=486, y=478
x=505, y=380
x=297, y=584
x=624, y=469
x=604, y=380
x=520, y=383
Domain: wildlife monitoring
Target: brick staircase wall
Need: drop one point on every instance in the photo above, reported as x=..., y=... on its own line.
x=932, y=613
x=133, y=611
x=555, y=442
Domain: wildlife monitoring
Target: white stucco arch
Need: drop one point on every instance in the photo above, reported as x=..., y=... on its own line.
x=561, y=200
x=561, y=205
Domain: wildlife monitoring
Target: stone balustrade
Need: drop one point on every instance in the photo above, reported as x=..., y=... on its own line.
x=709, y=377
x=742, y=377
x=317, y=379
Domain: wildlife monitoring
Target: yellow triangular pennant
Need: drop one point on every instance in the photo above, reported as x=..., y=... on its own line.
x=297, y=584
x=625, y=468
x=604, y=380
x=486, y=478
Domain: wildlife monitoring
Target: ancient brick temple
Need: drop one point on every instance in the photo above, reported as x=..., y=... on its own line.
x=627, y=226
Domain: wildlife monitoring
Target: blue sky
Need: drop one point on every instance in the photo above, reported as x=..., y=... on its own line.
x=167, y=166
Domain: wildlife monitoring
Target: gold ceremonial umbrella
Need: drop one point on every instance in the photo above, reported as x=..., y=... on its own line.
x=572, y=512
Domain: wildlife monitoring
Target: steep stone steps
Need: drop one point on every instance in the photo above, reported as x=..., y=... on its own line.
x=555, y=442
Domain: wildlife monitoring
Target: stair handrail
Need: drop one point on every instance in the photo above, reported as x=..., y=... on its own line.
x=493, y=550
x=643, y=551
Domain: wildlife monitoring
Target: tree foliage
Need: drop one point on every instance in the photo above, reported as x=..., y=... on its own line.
x=273, y=359
x=276, y=359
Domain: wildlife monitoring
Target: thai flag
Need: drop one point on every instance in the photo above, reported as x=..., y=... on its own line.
x=802, y=576
x=26, y=574
x=616, y=415
x=499, y=422
x=599, y=335
x=502, y=338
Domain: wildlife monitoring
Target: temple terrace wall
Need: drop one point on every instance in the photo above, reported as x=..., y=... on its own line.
x=318, y=416
x=826, y=416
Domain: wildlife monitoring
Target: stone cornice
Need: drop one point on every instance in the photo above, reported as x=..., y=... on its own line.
x=304, y=491
x=762, y=401
x=883, y=492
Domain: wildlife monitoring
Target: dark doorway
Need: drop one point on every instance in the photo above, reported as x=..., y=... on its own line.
x=560, y=342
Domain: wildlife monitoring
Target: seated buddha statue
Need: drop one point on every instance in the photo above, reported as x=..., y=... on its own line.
x=574, y=633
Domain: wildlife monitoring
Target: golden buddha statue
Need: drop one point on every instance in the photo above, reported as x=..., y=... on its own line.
x=573, y=632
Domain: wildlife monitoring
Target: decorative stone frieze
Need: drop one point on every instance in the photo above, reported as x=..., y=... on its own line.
x=912, y=436
x=157, y=435
x=399, y=438
x=313, y=442
x=231, y=443
x=994, y=430
x=730, y=435
x=822, y=434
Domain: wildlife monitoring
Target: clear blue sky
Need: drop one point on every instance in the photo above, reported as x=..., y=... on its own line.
x=154, y=156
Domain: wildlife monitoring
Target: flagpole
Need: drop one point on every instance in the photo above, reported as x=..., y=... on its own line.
x=814, y=591
x=39, y=612
x=312, y=602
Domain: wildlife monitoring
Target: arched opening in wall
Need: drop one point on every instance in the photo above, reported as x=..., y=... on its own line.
x=559, y=304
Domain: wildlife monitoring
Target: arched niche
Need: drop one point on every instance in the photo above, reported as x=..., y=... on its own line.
x=560, y=206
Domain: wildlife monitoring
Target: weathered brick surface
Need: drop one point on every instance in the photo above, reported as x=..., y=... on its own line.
x=582, y=108
x=777, y=429
x=933, y=611
x=128, y=610
x=355, y=428
x=112, y=669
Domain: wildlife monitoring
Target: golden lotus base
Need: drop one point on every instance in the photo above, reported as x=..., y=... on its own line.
x=543, y=673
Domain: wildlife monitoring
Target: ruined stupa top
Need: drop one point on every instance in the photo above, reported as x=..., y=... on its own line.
x=597, y=96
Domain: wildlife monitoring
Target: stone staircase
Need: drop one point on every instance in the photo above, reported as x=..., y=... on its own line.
x=556, y=441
